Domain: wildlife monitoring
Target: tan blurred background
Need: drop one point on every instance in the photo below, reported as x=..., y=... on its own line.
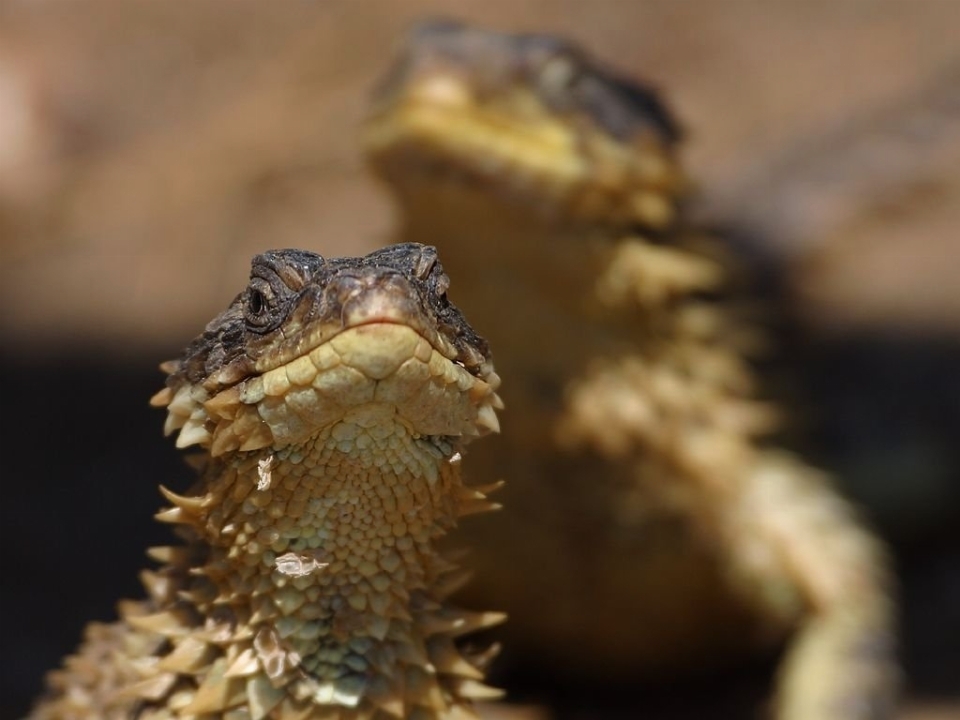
x=148, y=149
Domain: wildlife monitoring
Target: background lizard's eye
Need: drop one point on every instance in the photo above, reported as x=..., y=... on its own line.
x=557, y=76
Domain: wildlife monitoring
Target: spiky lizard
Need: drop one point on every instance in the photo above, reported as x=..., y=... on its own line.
x=331, y=401
x=645, y=501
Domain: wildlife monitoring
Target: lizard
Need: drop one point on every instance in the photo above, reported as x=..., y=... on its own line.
x=652, y=526
x=331, y=402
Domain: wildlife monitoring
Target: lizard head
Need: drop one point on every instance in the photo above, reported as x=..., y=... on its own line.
x=529, y=116
x=313, y=341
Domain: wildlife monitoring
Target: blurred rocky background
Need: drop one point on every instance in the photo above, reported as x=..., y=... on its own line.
x=148, y=149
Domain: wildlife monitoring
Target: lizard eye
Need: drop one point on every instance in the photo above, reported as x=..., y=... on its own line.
x=257, y=302
x=257, y=311
x=557, y=76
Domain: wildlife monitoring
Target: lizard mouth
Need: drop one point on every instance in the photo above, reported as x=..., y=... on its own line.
x=378, y=367
x=438, y=120
x=321, y=317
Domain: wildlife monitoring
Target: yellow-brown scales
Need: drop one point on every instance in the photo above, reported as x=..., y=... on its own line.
x=649, y=528
x=332, y=400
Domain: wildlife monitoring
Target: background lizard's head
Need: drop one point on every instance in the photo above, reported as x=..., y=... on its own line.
x=528, y=116
x=312, y=341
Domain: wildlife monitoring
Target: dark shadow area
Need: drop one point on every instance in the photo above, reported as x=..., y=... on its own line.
x=884, y=416
x=83, y=456
x=733, y=693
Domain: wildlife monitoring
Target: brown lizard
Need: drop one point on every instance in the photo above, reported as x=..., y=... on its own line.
x=331, y=400
x=651, y=526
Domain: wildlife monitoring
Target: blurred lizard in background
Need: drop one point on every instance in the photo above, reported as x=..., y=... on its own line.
x=651, y=528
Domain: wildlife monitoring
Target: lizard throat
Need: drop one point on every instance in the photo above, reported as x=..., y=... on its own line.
x=319, y=572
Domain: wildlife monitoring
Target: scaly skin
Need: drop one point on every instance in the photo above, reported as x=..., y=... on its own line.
x=331, y=400
x=650, y=529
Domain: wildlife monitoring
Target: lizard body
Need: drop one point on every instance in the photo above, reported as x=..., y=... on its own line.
x=332, y=400
x=644, y=498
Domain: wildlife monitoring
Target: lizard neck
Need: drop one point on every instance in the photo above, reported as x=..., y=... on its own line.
x=320, y=572
x=536, y=248
x=516, y=266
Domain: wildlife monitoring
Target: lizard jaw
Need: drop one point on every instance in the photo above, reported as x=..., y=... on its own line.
x=371, y=368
